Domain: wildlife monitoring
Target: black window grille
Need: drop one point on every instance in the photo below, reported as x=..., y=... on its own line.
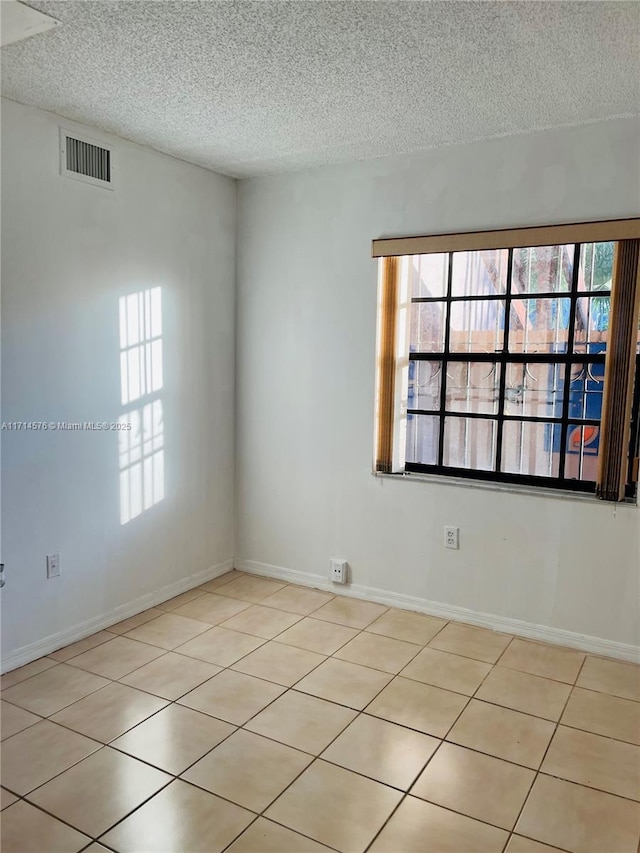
x=507, y=351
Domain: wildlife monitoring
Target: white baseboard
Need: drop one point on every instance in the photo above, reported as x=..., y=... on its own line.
x=557, y=636
x=53, y=642
x=544, y=633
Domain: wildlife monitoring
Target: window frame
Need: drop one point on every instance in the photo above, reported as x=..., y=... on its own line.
x=391, y=457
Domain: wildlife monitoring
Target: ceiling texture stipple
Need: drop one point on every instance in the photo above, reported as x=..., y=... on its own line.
x=249, y=88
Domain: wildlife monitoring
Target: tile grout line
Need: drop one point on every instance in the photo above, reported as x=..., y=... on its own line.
x=107, y=629
x=576, y=728
x=109, y=744
x=294, y=687
x=443, y=740
x=62, y=820
x=28, y=677
x=359, y=713
x=169, y=701
x=287, y=688
x=115, y=634
x=64, y=707
x=175, y=650
x=241, y=728
x=362, y=711
x=135, y=669
x=71, y=657
x=538, y=770
x=174, y=777
x=318, y=757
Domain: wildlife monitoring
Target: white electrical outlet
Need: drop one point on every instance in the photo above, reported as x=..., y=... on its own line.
x=53, y=565
x=338, y=571
x=452, y=537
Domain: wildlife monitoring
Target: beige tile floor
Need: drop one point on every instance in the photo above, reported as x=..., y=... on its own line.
x=253, y=716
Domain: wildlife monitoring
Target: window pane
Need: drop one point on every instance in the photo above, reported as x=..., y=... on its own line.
x=477, y=326
x=539, y=325
x=473, y=387
x=424, y=385
x=423, y=432
x=429, y=275
x=534, y=390
x=479, y=273
x=528, y=448
x=470, y=443
x=427, y=326
x=592, y=324
x=583, y=445
x=586, y=390
x=596, y=266
x=542, y=269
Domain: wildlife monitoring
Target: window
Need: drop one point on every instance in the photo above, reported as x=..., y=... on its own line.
x=510, y=356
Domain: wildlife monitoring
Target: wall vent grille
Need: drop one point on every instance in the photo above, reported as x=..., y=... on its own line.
x=85, y=160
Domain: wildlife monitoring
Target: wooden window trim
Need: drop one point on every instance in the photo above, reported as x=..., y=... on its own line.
x=509, y=238
x=617, y=402
x=387, y=363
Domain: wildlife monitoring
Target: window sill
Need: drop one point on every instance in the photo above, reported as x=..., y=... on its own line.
x=488, y=486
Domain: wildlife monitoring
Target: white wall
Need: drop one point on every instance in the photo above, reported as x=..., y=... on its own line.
x=306, y=306
x=307, y=313
x=70, y=251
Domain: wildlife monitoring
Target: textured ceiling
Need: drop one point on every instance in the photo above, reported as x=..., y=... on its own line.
x=249, y=88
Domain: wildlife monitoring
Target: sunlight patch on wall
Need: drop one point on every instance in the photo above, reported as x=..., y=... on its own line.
x=140, y=344
x=141, y=443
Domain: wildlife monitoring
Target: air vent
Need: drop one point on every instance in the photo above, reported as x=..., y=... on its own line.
x=85, y=160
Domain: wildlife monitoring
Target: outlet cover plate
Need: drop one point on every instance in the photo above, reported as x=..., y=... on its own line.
x=452, y=537
x=338, y=571
x=53, y=565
